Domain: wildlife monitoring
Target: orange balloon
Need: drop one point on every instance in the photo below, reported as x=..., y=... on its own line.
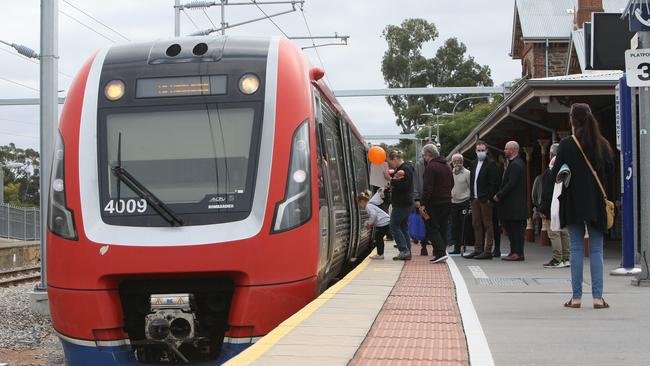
x=377, y=155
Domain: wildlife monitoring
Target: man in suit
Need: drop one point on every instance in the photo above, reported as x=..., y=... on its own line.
x=484, y=178
x=511, y=201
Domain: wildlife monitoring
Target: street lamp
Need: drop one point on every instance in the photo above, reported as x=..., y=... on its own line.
x=489, y=98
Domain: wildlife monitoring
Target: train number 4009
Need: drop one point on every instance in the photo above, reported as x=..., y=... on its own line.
x=126, y=206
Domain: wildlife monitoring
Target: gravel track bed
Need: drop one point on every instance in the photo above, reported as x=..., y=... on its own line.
x=26, y=338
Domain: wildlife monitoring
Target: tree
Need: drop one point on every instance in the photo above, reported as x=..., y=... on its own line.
x=404, y=66
x=450, y=67
x=21, y=168
x=454, y=129
x=12, y=193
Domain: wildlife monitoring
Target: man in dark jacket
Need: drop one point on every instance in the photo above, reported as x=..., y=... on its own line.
x=401, y=187
x=511, y=199
x=559, y=239
x=438, y=181
x=484, y=178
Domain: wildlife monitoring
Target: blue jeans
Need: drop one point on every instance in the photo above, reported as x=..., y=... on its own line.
x=576, y=235
x=399, y=227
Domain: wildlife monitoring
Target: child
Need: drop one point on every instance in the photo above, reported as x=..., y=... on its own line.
x=378, y=218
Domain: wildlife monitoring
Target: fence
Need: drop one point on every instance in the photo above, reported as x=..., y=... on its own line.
x=20, y=223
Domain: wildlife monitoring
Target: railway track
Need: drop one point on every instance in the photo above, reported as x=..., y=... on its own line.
x=17, y=276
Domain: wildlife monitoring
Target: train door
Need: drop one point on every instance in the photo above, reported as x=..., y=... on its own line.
x=352, y=191
x=361, y=179
x=339, y=215
x=324, y=193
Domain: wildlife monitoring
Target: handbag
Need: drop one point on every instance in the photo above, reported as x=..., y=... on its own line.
x=609, y=205
x=417, y=228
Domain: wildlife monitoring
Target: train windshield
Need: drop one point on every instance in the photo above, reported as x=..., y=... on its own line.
x=195, y=160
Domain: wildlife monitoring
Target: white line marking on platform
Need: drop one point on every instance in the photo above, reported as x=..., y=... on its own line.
x=477, y=344
x=477, y=272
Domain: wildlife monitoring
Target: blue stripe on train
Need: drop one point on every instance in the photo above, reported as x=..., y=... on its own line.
x=76, y=355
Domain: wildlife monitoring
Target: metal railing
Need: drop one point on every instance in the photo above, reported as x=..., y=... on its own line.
x=20, y=223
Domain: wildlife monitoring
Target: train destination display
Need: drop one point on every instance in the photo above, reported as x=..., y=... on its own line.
x=181, y=86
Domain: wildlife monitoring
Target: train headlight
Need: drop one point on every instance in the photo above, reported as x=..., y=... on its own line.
x=249, y=83
x=295, y=209
x=114, y=90
x=299, y=176
x=60, y=219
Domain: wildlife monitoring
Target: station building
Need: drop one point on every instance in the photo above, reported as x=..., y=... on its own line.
x=548, y=38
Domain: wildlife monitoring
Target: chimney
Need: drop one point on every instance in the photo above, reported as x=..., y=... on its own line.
x=585, y=8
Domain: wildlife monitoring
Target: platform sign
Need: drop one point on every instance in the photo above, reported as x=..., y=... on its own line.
x=637, y=67
x=617, y=101
x=639, y=17
x=624, y=131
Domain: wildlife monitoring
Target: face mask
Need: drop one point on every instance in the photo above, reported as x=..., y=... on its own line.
x=481, y=155
x=458, y=168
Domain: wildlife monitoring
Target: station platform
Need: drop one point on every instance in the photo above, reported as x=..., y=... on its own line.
x=463, y=312
x=384, y=312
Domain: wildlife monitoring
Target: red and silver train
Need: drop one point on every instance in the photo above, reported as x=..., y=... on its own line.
x=202, y=191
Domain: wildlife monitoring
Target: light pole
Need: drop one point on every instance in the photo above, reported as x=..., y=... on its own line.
x=49, y=113
x=489, y=98
x=437, y=115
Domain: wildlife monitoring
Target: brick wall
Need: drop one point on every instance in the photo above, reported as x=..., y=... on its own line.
x=557, y=59
x=585, y=8
x=534, y=60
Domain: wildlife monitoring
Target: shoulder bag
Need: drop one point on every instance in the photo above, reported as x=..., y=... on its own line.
x=609, y=205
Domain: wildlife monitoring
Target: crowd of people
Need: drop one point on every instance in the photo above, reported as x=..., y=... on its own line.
x=462, y=206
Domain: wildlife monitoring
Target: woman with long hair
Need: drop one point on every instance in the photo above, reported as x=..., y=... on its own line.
x=582, y=204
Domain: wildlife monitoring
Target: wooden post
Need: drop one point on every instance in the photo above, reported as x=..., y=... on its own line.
x=530, y=232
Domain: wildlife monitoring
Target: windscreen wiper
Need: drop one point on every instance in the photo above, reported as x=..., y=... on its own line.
x=159, y=206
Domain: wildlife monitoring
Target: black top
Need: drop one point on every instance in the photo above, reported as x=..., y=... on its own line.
x=438, y=180
x=512, y=194
x=548, y=185
x=582, y=201
x=402, y=190
x=488, y=181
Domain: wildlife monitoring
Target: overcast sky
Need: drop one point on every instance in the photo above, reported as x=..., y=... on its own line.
x=484, y=26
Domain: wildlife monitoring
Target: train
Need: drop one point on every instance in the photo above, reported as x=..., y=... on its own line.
x=202, y=191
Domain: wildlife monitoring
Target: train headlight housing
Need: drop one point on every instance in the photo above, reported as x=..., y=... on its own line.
x=295, y=209
x=249, y=83
x=114, y=90
x=59, y=217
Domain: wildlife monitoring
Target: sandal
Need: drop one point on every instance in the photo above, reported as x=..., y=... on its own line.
x=571, y=304
x=604, y=305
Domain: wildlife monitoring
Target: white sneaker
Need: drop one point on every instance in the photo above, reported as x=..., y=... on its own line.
x=439, y=259
x=376, y=256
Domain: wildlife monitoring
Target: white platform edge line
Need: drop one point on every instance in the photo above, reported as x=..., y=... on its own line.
x=477, y=344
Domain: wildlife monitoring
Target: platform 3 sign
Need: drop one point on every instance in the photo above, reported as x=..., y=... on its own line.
x=637, y=67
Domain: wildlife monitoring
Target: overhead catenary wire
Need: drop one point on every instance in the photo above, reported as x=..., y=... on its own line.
x=87, y=26
x=209, y=19
x=18, y=135
x=18, y=83
x=302, y=12
x=32, y=61
x=96, y=20
x=17, y=121
x=191, y=20
x=269, y=18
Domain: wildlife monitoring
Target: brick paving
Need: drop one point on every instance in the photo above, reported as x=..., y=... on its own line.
x=420, y=322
